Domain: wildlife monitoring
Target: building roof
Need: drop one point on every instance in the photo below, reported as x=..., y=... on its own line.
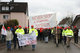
x=64, y=21
x=15, y=7
x=76, y=19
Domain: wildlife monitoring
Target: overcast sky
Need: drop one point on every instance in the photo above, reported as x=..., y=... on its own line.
x=61, y=7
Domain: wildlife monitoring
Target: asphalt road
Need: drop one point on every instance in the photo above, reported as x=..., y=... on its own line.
x=45, y=48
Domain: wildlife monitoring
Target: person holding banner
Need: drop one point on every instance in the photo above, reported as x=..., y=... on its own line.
x=19, y=31
x=26, y=30
x=32, y=31
x=14, y=36
x=9, y=38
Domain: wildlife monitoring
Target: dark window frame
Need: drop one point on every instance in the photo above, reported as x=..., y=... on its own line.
x=5, y=8
x=5, y=17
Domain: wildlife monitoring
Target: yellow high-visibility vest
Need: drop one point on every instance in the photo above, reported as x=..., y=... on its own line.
x=69, y=32
x=30, y=31
x=52, y=31
x=21, y=31
x=63, y=32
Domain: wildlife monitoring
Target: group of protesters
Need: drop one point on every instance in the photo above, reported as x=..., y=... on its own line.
x=57, y=34
x=66, y=34
x=11, y=36
x=44, y=34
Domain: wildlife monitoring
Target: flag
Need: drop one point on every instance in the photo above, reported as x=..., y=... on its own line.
x=3, y=31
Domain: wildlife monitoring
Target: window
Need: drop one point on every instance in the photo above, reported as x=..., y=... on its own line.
x=5, y=16
x=5, y=8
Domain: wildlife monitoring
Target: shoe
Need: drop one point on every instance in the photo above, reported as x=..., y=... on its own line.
x=25, y=46
x=56, y=45
x=14, y=47
x=76, y=42
x=33, y=49
x=8, y=49
x=19, y=48
x=68, y=46
x=46, y=42
x=64, y=43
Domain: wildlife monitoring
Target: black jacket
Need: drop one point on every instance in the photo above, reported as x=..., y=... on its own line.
x=46, y=32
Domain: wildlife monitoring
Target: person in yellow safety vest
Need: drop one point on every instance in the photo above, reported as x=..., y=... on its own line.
x=30, y=31
x=52, y=31
x=69, y=35
x=19, y=31
x=63, y=32
x=64, y=36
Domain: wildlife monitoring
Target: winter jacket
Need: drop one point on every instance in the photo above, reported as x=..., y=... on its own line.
x=9, y=36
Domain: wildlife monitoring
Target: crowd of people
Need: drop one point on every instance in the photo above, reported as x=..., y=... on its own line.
x=57, y=34
x=11, y=36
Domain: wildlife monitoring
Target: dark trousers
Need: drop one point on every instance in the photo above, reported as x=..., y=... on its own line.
x=41, y=37
x=60, y=38
x=54, y=38
x=38, y=38
x=76, y=39
x=8, y=44
x=50, y=37
x=33, y=46
x=64, y=39
x=15, y=42
x=3, y=38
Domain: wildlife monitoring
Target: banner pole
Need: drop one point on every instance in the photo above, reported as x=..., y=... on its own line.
x=56, y=34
